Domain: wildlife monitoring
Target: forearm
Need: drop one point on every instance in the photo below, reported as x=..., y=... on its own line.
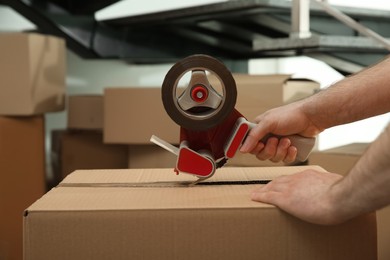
x=360, y=96
x=357, y=97
x=367, y=186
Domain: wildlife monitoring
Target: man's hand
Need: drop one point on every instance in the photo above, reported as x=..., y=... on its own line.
x=283, y=121
x=308, y=195
x=275, y=150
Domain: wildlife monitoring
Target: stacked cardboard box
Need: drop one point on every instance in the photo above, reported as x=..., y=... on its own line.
x=22, y=171
x=258, y=93
x=154, y=214
x=341, y=160
x=133, y=115
x=32, y=73
x=32, y=82
x=81, y=146
x=80, y=149
x=149, y=156
x=85, y=112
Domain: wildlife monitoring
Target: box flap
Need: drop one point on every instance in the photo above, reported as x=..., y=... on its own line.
x=142, y=176
x=78, y=192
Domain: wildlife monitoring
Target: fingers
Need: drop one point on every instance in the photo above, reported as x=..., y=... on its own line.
x=269, y=197
x=281, y=150
x=258, y=148
x=307, y=195
x=269, y=150
x=273, y=192
x=254, y=135
x=249, y=144
x=276, y=150
x=291, y=155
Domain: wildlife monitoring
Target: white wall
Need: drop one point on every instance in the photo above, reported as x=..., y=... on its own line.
x=12, y=21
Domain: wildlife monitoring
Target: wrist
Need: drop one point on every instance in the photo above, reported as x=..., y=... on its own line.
x=312, y=116
x=336, y=204
x=344, y=201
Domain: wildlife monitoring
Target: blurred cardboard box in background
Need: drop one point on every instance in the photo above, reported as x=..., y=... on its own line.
x=146, y=214
x=22, y=172
x=81, y=146
x=133, y=115
x=85, y=112
x=77, y=149
x=339, y=159
x=258, y=93
x=32, y=73
x=150, y=156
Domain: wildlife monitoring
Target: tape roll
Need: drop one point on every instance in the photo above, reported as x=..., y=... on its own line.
x=213, y=117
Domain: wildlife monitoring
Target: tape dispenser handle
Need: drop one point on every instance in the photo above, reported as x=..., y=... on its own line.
x=304, y=145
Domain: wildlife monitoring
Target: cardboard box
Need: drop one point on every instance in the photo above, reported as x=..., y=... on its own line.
x=22, y=172
x=341, y=160
x=73, y=150
x=147, y=214
x=32, y=73
x=281, y=88
x=150, y=156
x=85, y=112
x=383, y=227
x=259, y=93
x=132, y=115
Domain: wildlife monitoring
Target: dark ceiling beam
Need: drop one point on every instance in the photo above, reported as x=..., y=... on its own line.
x=47, y=26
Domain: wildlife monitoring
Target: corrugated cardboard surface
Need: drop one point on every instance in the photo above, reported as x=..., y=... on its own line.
x=22, y=173
x=341, y=160
x=32, y=73
x=142, y=214
x=84, y=149
x=85, y=112
x=132, y=115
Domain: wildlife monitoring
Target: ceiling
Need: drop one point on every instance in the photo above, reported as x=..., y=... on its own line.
x=231, y=30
